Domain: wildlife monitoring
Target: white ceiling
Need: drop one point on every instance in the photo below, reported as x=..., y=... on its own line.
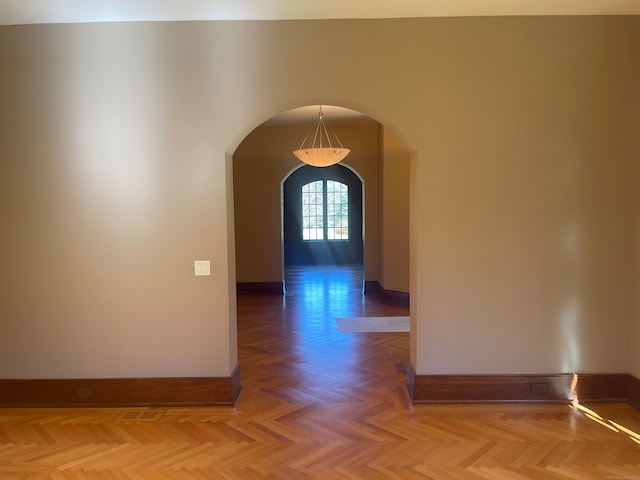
x=80, y=11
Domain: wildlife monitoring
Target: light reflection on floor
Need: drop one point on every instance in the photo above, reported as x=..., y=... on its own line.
x=596, y=417
x=324, y=291
x=317, y=295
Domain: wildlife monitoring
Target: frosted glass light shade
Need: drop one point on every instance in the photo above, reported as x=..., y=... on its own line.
x=321, y=156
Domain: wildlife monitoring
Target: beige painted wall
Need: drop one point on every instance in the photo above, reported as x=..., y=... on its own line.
x=527, y=222
x=395, y=214
x=115, y=142
x=634, y=337
x=261, y=162
x=112, y=183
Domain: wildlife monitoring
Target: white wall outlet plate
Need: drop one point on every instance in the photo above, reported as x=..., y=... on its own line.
x=202, y=268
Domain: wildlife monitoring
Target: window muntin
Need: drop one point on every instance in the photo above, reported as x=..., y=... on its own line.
x=313, y=211
x=337, y=210
x=325, y=210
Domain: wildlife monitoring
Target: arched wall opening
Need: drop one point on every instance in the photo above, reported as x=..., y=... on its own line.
x=381, y=157
x=265, y=157
x=314, y=232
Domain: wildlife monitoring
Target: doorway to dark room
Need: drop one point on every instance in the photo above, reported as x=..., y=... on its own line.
x=322, y=217
x=322, y=229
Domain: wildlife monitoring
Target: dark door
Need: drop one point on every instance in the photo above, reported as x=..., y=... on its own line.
x=323, y=217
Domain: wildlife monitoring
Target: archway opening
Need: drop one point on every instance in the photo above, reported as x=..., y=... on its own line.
x=264, y=158
x=322, y=216
x=308, y=317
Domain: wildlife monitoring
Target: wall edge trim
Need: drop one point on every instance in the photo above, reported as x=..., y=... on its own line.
x=526, y=388
x=120, y=392
x=259, y=288
x=388, y=297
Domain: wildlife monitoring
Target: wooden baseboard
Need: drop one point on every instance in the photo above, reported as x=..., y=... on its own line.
x=388, y=297
x=259, y=288
x=428, y=389
x=236, y=385
x=634, y=392
x=372, y=287
x=393, y=297
x=411, y=382
x=606, y=387
x=120, y=392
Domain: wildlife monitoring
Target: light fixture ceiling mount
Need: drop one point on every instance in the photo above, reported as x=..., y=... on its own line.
x=319, y=153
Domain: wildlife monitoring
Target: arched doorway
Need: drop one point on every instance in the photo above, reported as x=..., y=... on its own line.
x=315, y=296
x=378, y=158
x=322, y=217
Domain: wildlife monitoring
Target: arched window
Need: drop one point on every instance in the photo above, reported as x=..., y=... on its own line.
x=325, y=210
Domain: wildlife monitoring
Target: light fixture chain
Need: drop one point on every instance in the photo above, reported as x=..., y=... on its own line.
x=305, y=138
x=324, y=128
x=335, y=136
x=321, y=156
x=315, y=136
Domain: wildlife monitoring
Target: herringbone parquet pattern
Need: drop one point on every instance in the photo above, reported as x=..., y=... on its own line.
x=318, y=404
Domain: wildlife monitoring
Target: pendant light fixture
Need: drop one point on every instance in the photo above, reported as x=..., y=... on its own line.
x=321, y=152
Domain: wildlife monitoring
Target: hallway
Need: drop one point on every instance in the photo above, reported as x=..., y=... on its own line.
x=294, y=342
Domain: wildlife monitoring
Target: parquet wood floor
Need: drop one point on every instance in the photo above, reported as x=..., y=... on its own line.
x=318, y=404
